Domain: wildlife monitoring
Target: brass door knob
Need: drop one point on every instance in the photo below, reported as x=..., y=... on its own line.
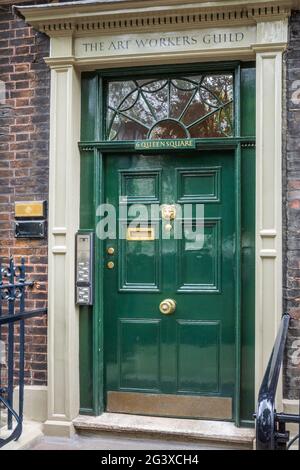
x=167, y=306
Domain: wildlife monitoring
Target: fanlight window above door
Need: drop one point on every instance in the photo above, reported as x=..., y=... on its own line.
x=172, y=108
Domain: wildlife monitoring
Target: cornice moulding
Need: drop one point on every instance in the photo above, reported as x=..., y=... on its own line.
x=90, y=63
x=133, y=16
x=94, y=7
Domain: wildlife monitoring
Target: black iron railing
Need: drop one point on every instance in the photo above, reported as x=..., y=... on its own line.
x=13, y=286
x=271, y=433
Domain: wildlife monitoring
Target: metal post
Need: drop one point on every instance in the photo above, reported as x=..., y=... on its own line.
x=11, y=311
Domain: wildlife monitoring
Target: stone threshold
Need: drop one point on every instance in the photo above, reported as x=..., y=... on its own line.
x=216, y=432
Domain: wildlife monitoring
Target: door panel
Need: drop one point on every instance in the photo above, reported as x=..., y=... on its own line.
x=139, y=347
x=139, y=263
x=198, y=185
x=199, y=267
x=199, y=340
x=141, y=186
x=192, y=351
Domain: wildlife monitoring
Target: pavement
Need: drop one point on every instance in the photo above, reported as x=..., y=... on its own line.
x=116, y=442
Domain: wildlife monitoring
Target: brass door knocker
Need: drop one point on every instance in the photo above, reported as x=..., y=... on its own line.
x=168, y=211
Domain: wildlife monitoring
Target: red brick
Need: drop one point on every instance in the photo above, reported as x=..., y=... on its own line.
x=21, y=172
x=22, y=85
x=22, y=50
x=23, y=33
x=22, y=68
x=22, y=137
x=23, y=119
x=22, y=128
x=22, y=94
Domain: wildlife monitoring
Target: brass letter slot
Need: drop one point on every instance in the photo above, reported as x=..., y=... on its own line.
x=140, y=234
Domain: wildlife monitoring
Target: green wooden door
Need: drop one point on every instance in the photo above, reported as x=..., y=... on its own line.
x=182, y=364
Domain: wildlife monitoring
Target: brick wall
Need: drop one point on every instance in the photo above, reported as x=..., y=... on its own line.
x=24, y=136
x=291, y=186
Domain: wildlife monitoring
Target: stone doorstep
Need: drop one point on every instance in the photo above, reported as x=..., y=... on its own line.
x=32, y=432
x=220, y=432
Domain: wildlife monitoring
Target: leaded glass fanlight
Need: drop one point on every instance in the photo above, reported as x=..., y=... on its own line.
x=171, y=108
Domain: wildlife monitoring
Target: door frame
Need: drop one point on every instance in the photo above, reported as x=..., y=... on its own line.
x=93, y=152
x=64, y=25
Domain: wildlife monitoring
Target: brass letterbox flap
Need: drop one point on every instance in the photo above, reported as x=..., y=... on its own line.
x=140, y=234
